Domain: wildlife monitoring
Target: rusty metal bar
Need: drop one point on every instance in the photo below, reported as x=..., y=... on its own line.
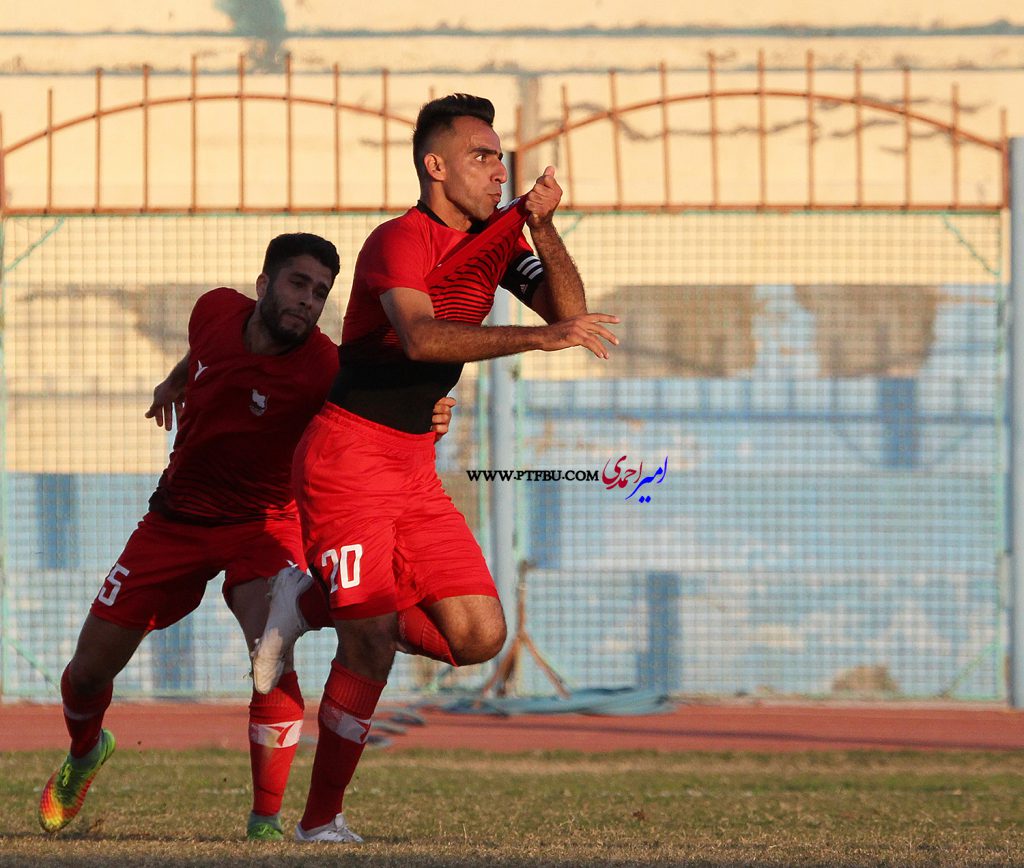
x=665, y=149
x=195, y=146
x=616, y=136
x=145, y=137
x=713, y=133
x=241, y=131
x=786, y=207
x=762, y=132
x=811, y=138
x=739, y=93
x=517, y=155
x=290, y=132
x=566, y=147
x=858, y=109
x=955, y=142
x=966, y=137
x=99, y=138
x=49, y=150
x=1005, y=139
x=337, y=137
x=3, y=180
x=385, y=143
x=906, y=138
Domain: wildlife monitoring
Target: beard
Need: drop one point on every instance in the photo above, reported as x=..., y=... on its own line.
x=271, y=315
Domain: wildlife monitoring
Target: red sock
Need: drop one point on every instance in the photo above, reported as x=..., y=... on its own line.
x=315, y=607
x=421, y=634
x=275, y=723
x=345, y=711
x=83, y=715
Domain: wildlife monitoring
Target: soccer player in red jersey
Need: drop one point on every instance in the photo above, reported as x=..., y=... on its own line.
x=400, y=564
x=254, y=375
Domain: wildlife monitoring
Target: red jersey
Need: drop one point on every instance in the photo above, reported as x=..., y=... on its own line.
x=460, y=271
x=244, y=414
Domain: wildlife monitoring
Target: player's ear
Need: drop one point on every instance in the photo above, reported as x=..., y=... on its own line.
x=261, y=285
x=434, y=164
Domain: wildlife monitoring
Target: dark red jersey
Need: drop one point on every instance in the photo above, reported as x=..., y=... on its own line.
x=244, y=414
x=460, y=271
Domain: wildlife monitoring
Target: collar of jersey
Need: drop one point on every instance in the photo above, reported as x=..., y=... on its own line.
x=474, y=227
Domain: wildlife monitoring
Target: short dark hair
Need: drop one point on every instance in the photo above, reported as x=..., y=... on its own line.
x=440, y=114
x=291, y=244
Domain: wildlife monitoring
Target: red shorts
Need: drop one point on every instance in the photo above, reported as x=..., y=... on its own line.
x=376, y=522
x=163, y=571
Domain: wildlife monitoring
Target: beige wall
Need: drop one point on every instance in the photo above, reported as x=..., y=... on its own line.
x=170, y=15
x=81, y=357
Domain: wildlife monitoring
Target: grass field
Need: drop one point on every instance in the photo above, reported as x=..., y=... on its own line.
x=462, y=808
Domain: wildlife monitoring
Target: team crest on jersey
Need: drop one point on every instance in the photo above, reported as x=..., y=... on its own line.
x=258, y=403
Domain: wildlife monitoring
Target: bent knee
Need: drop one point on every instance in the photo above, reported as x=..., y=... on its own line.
x=85, y=680
x=479, y=645
x=368, y=647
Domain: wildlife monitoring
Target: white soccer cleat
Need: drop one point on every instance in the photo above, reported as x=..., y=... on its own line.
x=335, y=832
x=284, y=625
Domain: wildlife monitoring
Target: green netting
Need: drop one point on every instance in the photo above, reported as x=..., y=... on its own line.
x=823, y=390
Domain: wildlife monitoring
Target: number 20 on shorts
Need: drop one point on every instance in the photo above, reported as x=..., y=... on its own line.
x=344, y=563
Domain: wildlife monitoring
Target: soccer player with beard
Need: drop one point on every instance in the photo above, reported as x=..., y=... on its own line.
x=254, y=375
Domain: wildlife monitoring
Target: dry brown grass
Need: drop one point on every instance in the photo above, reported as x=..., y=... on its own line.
x=462, y=809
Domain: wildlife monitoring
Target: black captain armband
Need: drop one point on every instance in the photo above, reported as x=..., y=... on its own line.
x=523, y=276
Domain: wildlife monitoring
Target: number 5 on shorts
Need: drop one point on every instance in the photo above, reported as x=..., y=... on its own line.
x=339, y=561
x=111, y=585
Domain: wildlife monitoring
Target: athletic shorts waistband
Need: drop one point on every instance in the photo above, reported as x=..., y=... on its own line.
x=376, y=432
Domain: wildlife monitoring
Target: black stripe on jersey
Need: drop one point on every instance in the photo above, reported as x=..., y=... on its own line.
x=466, y=294
x=523, y=276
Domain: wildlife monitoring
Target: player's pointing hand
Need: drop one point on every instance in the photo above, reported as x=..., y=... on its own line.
x=584, y=330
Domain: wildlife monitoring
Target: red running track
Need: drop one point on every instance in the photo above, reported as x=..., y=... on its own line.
x=719, y=727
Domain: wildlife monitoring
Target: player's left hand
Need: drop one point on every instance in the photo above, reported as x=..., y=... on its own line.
x=168, y=402
x=543, y=199
x=442, y=417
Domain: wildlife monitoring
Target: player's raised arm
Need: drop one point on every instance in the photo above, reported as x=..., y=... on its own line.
x=426, y=339
x=168, y=396
x=560, y=294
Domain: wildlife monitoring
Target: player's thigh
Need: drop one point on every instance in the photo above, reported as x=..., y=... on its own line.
x=351, y=487
x=436, y=555
x=160, y=576
x=253, y=553
x=473, y=624
x=352, y=555
x=250, y=605
x=103, y=650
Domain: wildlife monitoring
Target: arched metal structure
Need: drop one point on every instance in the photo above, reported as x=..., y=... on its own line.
x=193, y=98
x=714, y=97
x=563, y=133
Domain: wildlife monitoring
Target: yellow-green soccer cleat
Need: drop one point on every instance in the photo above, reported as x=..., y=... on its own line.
x=264, y=828
x=65, y=791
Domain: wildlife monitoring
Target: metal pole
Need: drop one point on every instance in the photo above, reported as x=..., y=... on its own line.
x=502, y=436
x=501, y=419
x=5, y=481
x=1015, y=411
